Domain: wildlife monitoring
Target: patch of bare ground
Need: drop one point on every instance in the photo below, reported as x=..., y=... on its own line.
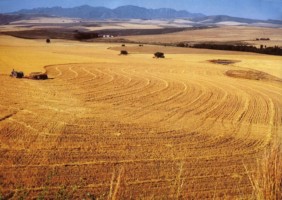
x=252, y=75
x=224, y=62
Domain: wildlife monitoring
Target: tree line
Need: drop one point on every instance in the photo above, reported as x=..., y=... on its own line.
x=276, y=50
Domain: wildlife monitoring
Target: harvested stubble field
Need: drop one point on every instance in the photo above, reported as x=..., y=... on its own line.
x=133, y=127
x=219, y=34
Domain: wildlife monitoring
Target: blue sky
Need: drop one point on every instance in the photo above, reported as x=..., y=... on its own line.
x=260, y=9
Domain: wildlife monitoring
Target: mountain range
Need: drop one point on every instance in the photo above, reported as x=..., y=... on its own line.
x=123, y=12
x=135, y=12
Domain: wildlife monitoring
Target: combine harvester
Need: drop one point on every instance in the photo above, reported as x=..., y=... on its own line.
x=33, y=75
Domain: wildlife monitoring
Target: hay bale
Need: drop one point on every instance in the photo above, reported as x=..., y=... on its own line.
x=123, y=52
x=159, y=55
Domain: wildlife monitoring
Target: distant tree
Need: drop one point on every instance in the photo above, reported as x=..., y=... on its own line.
x=159, y=55
x=276, y=50
x=48, y=40
x=123, y=52
x=181, y=44
x=85, y=35
x=123, y=45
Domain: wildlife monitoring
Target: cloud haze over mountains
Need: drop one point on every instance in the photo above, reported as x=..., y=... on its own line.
x=257, y=9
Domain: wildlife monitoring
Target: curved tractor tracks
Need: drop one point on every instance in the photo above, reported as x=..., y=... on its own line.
x=124, y=131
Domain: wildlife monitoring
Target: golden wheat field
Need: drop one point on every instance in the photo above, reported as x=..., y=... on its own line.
x=218, y=34
x=107, y=126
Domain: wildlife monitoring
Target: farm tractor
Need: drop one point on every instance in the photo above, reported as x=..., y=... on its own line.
x=33, y=75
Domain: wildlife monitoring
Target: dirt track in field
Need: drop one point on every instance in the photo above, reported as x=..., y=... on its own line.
x=137, y=127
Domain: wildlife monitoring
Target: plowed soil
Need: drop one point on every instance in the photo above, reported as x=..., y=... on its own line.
x=132, y=127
